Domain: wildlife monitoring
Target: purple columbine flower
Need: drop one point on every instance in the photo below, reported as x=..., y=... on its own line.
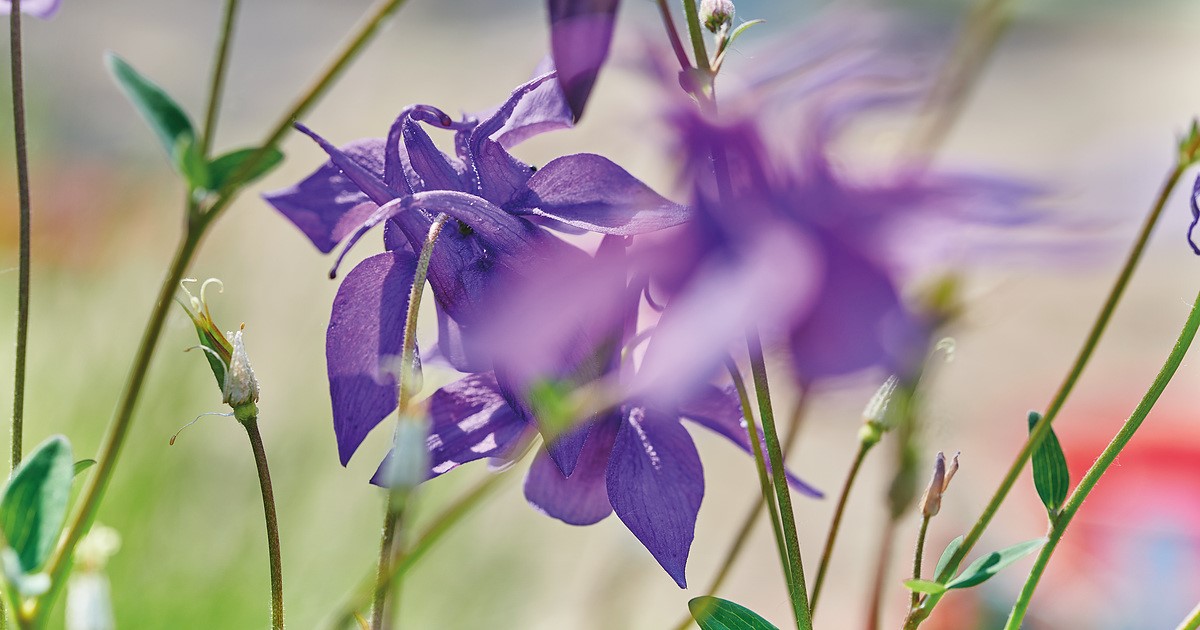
x=580, y=34
x=44, y=9
x=499, y=206
x=636, y=460
x=1195, y=216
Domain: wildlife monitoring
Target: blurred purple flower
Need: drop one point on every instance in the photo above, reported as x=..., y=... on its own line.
x=1195, y=216
x=498, y=205
x=44, y=9
x=580, y=34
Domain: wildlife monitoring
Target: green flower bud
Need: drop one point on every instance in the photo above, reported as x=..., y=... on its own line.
x=716, y=14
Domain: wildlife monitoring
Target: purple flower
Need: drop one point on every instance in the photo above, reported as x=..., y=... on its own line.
x=580, y=34
x=1195, y=216
x=44, y=9
x=499, y=207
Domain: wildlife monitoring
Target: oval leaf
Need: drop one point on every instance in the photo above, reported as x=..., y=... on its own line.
x=1050, y=474
x=83, y=465
x=168, y=120
x=34, y=504
x=925, y=586
x=714, y=613
x=222, y=170
x=951, y=549
x=984, y=568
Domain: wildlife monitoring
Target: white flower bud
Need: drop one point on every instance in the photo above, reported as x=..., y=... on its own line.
x=240, y=388
x=716, y=14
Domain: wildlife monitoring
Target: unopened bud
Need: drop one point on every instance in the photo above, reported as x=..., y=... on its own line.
x=931, y=503
x=716, y=14
x=240, y=390
x=875, y=415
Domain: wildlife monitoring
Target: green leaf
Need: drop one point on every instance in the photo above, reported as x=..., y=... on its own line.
x=987, y=566
x=714, y=613
x=191, y=163
x=951, y=549
x=1050, y=474
x=222, y=169
x=34, y=504
x=83, y=465
x=737, y=32
x=925, y=586
x=168, y=120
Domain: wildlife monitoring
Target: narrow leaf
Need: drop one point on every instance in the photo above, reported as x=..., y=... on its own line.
x=951, y=549
x=925, y=586
x=34, y=504
x=222, y=169
x=737, y=32
x=160, y=111
x=1050, y=474
x=984, y=568
x=191, y=164
x=714, y=613
x=83, y=465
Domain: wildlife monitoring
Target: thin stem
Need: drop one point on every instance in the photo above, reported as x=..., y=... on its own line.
x=1193, y=620
x=398, y=497
x=827, y=554
x=362, y=35
x=743, y=535
x=89, y=500
x=18, y=95
x=919, y=554
x=796, y=586
x=696, y=32
x=272, y=521
x=436, y=529
x=673, y=36
x=1106, y=459
x=1042, y=428
x=217, y=86
x=878, y=580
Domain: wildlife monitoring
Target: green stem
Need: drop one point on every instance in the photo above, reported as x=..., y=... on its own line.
x=89, y=500
x=398, y=498
x=272, y=521
x=1042, y=428
x=1100, y=466
x=24, y=205
x=696, y=32
x=919, y=554
x=1193, y=620
x=827, y=554
x=409, y=557
x=217, y=86
x=797, y=589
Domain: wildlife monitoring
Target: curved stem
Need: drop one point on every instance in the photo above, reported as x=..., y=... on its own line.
x=89, y=500
x=1193, y=620
x=398, y=497
x=673, y=36
x=796, y=586
x=919, y=554
x=217, y=86
x=18, y=96
x=272, y=521
x=1106, y=459
x=863, y=448
x=1042, y=428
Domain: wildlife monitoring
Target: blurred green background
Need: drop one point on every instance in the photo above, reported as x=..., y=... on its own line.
x=1083, y=96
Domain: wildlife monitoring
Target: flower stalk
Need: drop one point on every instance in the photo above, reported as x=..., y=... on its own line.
x=217, y=86
x=272, y=521
x=1042, y=428
x=16, y=56
x=864, y=447
x=1059, y=523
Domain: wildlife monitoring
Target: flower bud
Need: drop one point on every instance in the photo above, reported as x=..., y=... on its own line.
x=228, y=359
x=931, y=503
x=240, y=389
x=716, y=14
x=875, y=415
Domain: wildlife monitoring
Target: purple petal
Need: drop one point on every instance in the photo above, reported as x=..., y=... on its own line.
x=1195, y=216
x=720, y=410
x=582, y=498
x=501, y=176
x=655, y=483
x=369, y=181
x=433, y=170
x=590, y=192
x=44, y=9
x=454, y=346
x=540, y=110
x=469, y=420
x=366, y=332
x=326, y=205
x=580, y=34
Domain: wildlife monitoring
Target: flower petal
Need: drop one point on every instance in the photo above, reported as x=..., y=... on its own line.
x=44, y=9
x=540, y=110
x=582, y=498
x=327, y=205
x=469, y=420
x=655, y=483
x=590, y=192
x=1195, y=216
x=580, y=34
x=366, y=332
x=719, y=410
x=369, y=181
